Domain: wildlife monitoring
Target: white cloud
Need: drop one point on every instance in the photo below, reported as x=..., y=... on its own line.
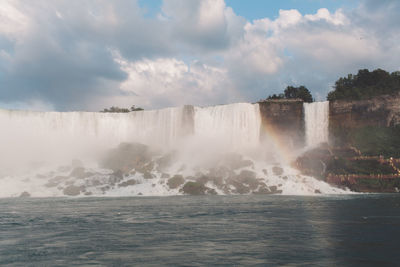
x=13, y=22
x=168, y=82
x=337, y=18
x=194, y=52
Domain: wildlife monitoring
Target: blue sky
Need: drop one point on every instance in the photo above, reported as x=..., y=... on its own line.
x=88, y=55
x=258, y=9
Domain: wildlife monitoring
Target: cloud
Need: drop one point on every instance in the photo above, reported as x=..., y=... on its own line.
x=168, y=82
x=91, y=54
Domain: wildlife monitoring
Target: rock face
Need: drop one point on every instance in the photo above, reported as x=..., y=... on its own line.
x=381, y=111
x=188, y=120
x=285, y=118
x=128, y=156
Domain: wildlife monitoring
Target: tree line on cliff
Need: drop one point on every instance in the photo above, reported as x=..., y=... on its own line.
x=120, y=110
x=365, y=84
x=292, y=92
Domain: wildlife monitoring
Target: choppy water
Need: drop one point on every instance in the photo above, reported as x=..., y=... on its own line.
x=340, y=230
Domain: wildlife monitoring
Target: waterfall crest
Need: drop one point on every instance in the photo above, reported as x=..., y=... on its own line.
x=237, y=125
x=316, y=117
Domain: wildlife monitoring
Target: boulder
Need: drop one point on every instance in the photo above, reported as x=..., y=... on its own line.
x=127, y=183
x=72, y=190
x=277, y=170
x=175, y=181
x=235, y=161
x=195, y=188
x=80, y=173
x=148, y=175
x=127, y=156
x=53, y=182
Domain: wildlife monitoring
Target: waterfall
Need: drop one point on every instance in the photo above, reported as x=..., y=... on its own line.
x=236, y=125
x=59, y=136
x=217, y=149
x=33, y=135
x=316, y=117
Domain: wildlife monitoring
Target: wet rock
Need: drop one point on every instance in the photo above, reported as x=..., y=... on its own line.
x=235, y=161
x=263, y=190
x=56, y=181
x=221, y=171
x=240, y=188
x=127, y=183
x=146, y=168
x=249, y=178
x=195, y=188
x=80, y=173
x=165, y=161
x=118, y=173
x=69, y=182
x=95, y=182
x=277, y=170
x=72, y=190
x=148, y=175
x=25, y=194
x=216, y=180
x=317, y=191
x=175, y=181
x=127, y=156
x=105, y=188
x=274, y=190
x=116, y=177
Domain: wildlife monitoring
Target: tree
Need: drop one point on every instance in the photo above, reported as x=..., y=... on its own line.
x=134, y=108
x=365, y=84
x=121, y=110
x=292, y=92
x=275, y=96
x=298, y=92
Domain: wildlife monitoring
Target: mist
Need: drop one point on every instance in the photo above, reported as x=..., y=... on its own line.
x=180, y=150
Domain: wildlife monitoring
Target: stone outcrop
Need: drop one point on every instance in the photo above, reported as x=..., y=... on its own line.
x=285, y=118
x=381, y=111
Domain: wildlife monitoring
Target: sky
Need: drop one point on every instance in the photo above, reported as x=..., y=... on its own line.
x=91, y=54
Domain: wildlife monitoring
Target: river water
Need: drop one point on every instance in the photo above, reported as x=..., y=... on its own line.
x=246, y=230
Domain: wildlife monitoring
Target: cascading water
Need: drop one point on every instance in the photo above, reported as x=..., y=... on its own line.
x=236, y=125
x=164, y=152
x=316, y=117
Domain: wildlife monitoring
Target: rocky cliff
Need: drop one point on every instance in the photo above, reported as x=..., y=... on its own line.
x=283, y=117
x=381, y=111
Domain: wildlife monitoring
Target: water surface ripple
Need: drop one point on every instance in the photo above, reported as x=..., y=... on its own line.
x=340, y=230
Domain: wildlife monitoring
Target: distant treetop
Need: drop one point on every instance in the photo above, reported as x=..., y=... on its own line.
x=292, y=92
x=121, y=110
x=365, y=84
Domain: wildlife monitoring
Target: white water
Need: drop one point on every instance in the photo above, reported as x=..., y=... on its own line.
x=37, y=136
x=237, y=126
x=316, y=117
x=33, y=144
